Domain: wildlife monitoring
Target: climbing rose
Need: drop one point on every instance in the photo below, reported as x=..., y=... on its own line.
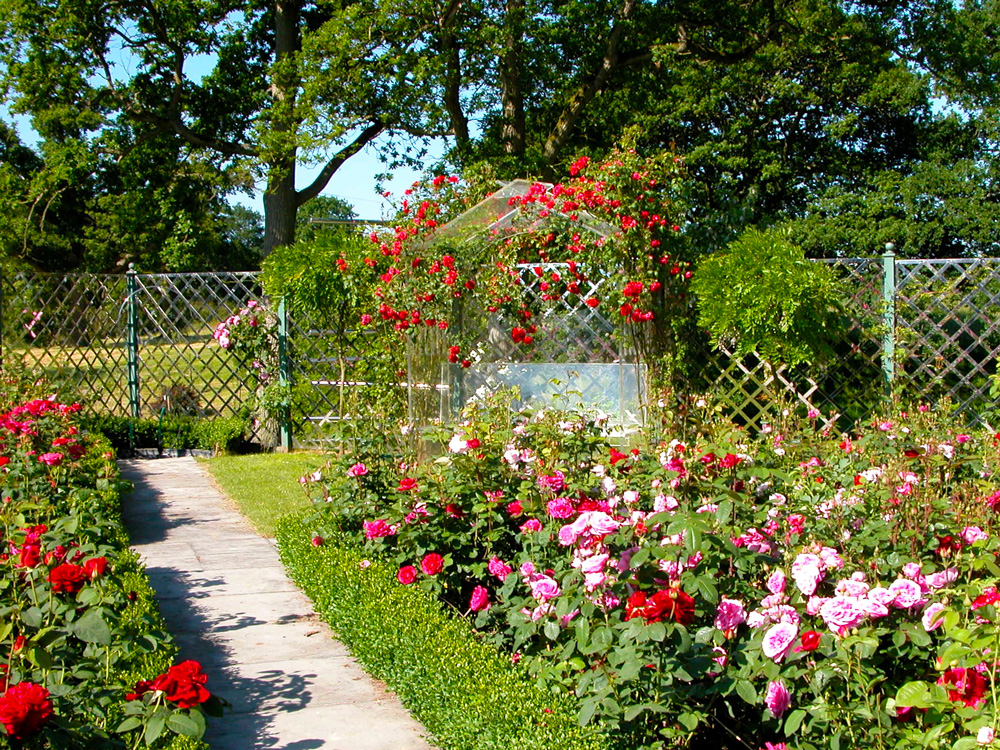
x=24, y=708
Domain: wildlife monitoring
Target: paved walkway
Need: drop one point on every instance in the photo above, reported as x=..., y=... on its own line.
x=225, y=597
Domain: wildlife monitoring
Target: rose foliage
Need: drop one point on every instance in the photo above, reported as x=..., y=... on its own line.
x=78, y=624
x=798, y=589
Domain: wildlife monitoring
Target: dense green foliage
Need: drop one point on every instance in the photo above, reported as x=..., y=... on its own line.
x=761, y=296
x=220, y=435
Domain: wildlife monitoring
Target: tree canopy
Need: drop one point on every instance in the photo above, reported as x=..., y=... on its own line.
x=817, y=115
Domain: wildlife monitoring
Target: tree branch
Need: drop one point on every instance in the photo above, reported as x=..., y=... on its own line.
x=586, y=93
x=365, y=137
x=174, y=125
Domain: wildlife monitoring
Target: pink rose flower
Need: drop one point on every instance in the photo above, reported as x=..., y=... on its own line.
x=665, y=503
x=850, y=587
x=531, y=525
x=930, y=619
x=377, y=529
x=881, y=595
x=973, y=534
x=432, y=564
x=841, y=613
x=907, y=593
x=560, y=507
x=544, y=588
x=480, y=599
x=807, y=574
x=499, y=568
x=406, y=575
x=776, y=582
x=778, y=699
x=358, y=470
x=942, y=578
x=51, y=459
x=778, y=640
x=552, y=482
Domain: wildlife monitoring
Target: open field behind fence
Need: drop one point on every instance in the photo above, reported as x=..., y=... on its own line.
x=136, y=344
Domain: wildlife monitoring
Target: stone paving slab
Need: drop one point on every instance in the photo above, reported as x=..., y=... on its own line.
x=225, y=597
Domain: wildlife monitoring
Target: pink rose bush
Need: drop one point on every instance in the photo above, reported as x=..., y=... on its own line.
x=790, y=588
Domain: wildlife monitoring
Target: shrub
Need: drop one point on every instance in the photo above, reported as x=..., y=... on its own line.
x=762, y=296
x=80, y=628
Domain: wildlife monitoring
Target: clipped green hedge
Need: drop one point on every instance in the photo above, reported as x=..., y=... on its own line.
x=463, y=691
x=219, y=435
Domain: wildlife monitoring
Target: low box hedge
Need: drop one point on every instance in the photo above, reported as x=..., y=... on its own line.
x=465, y=693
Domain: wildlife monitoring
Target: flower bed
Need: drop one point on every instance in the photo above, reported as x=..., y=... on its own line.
x=80, y=627
x=797, y=590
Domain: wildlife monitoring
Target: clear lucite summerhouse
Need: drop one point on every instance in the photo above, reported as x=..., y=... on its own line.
x=579, y=357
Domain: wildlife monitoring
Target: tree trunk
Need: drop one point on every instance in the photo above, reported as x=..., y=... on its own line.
x=279, y=207
x=280, y=203
x=513, y=129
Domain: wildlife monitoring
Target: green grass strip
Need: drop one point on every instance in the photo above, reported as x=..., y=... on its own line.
x=265, y=486
x=467, y=695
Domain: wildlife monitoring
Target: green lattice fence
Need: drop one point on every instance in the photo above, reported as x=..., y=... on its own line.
x=73, y=329
x=948, y=331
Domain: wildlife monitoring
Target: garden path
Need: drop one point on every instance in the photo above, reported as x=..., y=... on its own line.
x=226, y=599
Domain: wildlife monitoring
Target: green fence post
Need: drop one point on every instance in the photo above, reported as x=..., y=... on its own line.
x=284, y=374
x=888, y=318
x=132, y=349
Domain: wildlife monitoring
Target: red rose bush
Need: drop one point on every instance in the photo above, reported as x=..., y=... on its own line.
x=74, y=638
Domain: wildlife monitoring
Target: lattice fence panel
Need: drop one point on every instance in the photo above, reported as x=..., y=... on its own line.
x=948, y=331
x=181, y=367
x=71, y=329
x=576, y=357
x=844, y=389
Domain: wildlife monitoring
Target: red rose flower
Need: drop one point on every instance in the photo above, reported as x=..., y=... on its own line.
x=432, y=563
x=4, y=460
x=810, y=641
x=407, y=484
x=24, y=708
x=183, y=684
x=667, y=604
x=29, y=556
x=964, y=686
x=67, y=578
x=406, y=575
x=95, y=567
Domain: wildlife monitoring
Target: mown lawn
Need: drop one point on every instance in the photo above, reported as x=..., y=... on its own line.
x=265, y=486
